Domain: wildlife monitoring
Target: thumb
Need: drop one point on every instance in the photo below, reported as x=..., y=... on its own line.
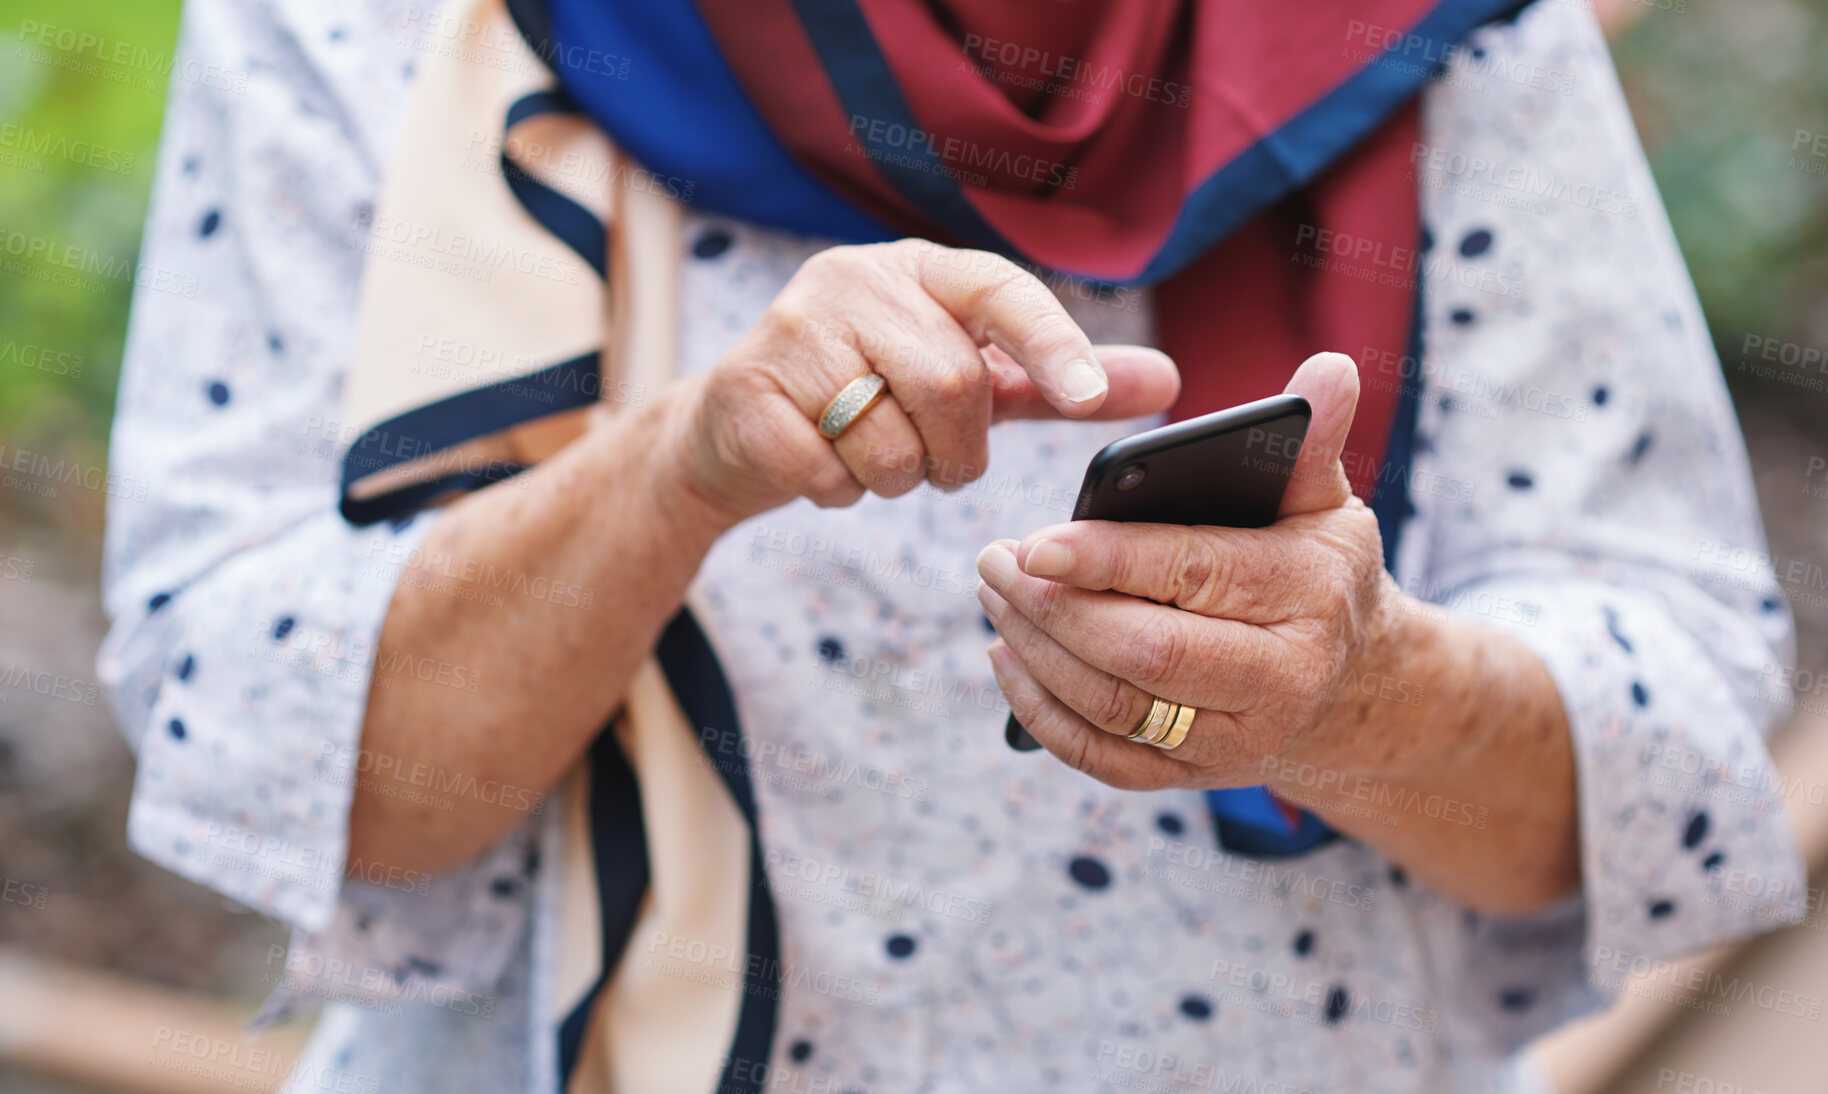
x=1329, y=382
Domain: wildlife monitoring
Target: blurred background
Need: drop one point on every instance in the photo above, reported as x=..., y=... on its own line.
x=103, y=955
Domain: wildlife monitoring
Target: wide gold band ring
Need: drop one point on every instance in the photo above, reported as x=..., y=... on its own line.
x=1165, y=726
x=848, y=405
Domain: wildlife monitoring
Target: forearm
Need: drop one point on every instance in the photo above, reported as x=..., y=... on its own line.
x=608, y=515
x=1455, y=761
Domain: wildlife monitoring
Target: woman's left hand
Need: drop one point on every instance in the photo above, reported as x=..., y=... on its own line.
x=1279, y=635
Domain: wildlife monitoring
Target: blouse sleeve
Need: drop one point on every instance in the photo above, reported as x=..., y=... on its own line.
x=244, y=611
x=1578, y=481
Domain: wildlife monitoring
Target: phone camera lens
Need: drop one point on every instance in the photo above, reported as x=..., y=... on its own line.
x=1130, y=477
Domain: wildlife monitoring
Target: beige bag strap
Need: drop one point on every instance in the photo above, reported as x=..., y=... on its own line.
x=666, y=1018
x=455, y=263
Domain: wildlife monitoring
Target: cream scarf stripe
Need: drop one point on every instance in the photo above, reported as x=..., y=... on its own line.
x=463, y=289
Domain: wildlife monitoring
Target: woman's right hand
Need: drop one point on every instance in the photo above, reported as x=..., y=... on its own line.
x=964, y=339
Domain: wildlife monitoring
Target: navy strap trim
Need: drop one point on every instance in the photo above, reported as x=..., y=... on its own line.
x=430, y=429
x=574, y=225
x=693, y=672
x=411, y=499
x=618, y=843
x=468, y=415
x=535, y=25
x=1390, y=502
x=619, y=848
x=859, y=76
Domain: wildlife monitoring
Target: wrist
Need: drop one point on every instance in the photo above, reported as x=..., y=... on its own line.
x=682, y=490
x=648, y=444
x=1390, y=707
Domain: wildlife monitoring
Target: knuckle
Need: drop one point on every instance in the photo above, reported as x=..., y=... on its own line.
x=894, y=467
x=831, y=483
x=1201, y=572
x=948, y=385
x=790, y=317
x=1078, y=754
x=835, y=262
x=1049, y=603
x=984, y=277
x=1111, y=705
x=1158, y=652
x=1049, y=329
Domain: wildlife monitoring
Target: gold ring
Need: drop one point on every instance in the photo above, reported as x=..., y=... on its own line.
x=1160, y=713
x=848, y=405
x=1177, y=732
x=1174, y=711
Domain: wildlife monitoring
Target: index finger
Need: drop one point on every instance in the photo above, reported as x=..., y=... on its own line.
x=1227, y=573
x=999, y=303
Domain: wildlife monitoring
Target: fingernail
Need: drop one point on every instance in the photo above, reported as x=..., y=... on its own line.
x=996, y=563
x=1083, y=383
x=1049, y=558
x=992, y=601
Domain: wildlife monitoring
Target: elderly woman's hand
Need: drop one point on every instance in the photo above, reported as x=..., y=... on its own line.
x=1311, y=671
x=1277, y=635
x=964, y=338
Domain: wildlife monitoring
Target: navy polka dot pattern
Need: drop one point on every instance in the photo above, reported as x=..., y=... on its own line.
x=1695, y=832
x=1338, y=1000
x=186, y=666
x=1089, y=872
x=711, y=243
x=211, y=221
x=1517, y=999
x=998, y=914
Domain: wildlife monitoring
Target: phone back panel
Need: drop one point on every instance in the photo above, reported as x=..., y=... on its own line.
x=1228, y=468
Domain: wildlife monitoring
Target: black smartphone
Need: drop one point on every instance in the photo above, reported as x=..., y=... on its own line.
x=1227, y=468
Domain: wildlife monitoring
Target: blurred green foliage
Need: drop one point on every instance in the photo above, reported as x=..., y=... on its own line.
x=79, y=132
x=1729, y=96
x=1722, y=91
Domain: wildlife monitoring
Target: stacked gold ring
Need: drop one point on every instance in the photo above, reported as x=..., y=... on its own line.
x=1165, y=726
x=848, y=405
